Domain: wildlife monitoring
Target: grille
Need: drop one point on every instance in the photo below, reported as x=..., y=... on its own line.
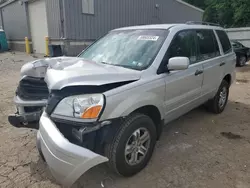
x=33, y=89
x=29, y=109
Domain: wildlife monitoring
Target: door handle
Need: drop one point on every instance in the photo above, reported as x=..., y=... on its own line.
x=221, y=64
x=197, y=72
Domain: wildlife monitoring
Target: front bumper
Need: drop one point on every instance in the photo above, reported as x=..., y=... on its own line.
x=27, y=111
x=66, y=161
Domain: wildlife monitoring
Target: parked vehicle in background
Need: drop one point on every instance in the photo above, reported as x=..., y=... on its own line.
x=242, y=53
x=110, y=102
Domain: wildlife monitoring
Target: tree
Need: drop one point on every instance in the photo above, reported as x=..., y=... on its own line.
x=241, y=15
x=219, y=11
x=228, y=13
x=198, y=3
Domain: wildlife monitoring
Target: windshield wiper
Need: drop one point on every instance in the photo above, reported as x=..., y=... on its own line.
x=105, y=63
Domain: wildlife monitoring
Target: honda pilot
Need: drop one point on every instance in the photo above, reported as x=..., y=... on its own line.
x=109, y=104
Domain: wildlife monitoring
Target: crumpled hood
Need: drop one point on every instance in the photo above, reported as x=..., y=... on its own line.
x=38, y=68
x=74, y=71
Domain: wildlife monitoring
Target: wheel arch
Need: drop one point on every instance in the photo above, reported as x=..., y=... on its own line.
x=154, y=113
x=228, y=78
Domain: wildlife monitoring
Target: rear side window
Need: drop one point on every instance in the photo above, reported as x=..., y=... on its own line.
x=183, y=45
x=224, y=40
x=207, y=45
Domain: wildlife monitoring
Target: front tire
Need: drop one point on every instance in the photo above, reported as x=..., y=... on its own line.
x=219, y=102
x=132, y=146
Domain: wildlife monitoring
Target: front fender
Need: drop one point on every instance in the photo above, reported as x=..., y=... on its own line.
x=121, y=108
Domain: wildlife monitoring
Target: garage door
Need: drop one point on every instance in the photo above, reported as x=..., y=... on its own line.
x=38, y=25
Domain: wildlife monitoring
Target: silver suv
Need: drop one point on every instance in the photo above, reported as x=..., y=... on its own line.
x=110, y=102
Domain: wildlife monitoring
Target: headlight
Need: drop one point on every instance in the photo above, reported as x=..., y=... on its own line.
x=86, y=106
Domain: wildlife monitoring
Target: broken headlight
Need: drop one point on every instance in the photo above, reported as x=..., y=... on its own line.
x=87, y=106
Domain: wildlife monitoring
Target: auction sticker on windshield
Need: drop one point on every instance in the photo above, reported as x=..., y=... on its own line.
x=148, y=37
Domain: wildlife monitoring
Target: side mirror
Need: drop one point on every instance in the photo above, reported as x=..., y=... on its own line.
x=178, y=63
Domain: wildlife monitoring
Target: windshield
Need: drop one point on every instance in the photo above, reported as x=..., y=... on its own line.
x=134, y=49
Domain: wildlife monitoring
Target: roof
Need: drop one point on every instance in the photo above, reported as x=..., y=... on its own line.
x=168, y=26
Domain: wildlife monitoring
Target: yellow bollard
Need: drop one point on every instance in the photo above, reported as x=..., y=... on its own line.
x=27, y=45
x=47, y=46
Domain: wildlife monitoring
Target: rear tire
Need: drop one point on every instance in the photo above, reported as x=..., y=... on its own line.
x=125, y=152
x=219, y=102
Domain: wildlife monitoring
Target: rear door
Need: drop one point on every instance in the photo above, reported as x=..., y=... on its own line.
x=209, y=56
x=229, y=59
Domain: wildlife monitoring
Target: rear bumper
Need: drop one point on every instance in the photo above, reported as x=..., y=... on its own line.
x=66, y=161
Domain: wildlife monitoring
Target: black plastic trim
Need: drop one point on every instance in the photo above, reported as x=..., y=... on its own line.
x=94, y=140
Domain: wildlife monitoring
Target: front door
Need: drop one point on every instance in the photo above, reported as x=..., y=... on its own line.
x=183, y=88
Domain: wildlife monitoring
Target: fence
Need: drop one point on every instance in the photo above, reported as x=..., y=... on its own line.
x=240, y=34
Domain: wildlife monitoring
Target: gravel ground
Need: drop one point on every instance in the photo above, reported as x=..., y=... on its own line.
x=198, y=150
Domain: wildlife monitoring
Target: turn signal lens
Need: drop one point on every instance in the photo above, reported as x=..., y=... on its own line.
x=92, y=112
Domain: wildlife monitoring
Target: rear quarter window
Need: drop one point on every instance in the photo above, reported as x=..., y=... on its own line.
x=225, y=42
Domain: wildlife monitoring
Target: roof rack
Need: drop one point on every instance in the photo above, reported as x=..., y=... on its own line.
x=202, y=23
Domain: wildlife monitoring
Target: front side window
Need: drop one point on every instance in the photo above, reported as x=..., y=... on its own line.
x=183, y=45
x=207, y=45
x=134, y=49
x=224, y=40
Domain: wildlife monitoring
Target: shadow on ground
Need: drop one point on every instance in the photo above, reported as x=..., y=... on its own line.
x=40, y=171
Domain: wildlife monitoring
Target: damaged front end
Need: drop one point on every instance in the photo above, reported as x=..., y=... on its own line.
x=40, y=77
x=31, y=94
x=31, y=98
x=66, y=96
